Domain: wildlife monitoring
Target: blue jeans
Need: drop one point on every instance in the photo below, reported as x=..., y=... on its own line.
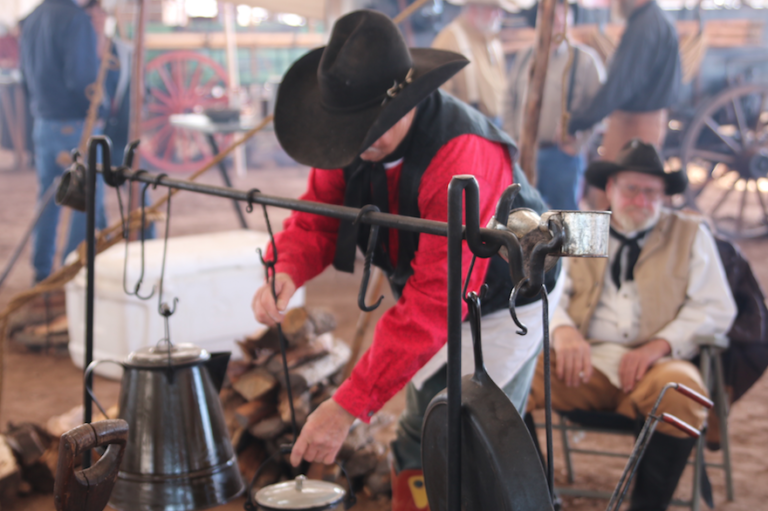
x=51, y=138
x=559, y=177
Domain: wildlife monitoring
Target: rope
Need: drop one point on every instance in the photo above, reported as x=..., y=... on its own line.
x=104, y=240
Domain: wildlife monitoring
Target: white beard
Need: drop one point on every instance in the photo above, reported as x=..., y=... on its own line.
x=627, y=224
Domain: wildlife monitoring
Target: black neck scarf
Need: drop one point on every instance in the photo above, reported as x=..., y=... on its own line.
x=367, y=184
x=632, y=256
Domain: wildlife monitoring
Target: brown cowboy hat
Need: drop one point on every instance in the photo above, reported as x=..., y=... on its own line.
x=336, y=101
x=636, y=156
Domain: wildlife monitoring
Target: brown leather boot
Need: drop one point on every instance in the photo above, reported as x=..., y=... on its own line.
x=408, y=491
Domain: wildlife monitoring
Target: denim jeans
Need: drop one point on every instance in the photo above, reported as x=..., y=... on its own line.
x=406, y=448
x=51, y=137
x=559, y=177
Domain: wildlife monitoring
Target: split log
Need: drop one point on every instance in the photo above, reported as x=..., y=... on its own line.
x=300, y=406
x=379, y=482
x=295, y=357
x=318, y=370
x=253, y=411
x=28, y=442
x=10, y=473
x=364, y=461
x=298, y=328
x=323, y=321
x=268, y=429
x=250, y=459
x=237, y=368
x=297, y=382
x=255, y=384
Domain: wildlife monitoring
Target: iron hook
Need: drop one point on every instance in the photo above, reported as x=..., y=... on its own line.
x=249, y=207
x=157, y=181
x=372, y=239
x=512, y=297
x=130, y=151
x=126, y=235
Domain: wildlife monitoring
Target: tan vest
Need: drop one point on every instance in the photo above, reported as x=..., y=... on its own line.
x=661, y=274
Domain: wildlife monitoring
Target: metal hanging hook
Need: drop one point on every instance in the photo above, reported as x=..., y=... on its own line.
x=512, y=298
x=126, y=236
x=162, y=307
x=372, y=239
x=249, y=207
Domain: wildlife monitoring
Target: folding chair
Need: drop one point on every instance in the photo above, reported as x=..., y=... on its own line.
x=612, y=423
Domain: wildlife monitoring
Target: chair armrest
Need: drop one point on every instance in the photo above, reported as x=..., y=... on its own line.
x=714, y=340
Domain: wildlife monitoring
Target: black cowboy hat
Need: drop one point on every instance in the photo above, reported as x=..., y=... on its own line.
x=336, y=101
x=636, y=156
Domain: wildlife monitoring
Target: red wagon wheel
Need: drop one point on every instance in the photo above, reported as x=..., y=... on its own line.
x=179, y=82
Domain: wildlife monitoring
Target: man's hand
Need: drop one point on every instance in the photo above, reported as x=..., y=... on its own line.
x=264, y=308
x=322, y=435
x=635, y=363
x=573, y=360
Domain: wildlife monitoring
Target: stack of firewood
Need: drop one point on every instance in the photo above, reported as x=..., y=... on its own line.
x=257, y=406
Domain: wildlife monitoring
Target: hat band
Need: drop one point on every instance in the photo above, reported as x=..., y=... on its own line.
x=380, y=99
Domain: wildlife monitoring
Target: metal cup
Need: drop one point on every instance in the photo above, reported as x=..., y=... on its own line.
x=586, y=232
x=71, y=190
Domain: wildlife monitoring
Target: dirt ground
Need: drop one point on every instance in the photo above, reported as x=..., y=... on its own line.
x=37, y=386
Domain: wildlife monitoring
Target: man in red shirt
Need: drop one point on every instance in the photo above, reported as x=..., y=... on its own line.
x=365, y=112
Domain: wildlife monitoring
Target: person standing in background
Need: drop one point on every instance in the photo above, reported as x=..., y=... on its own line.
x=475, y=34
x=59, y=62
x=561, y=162
x=644, y=78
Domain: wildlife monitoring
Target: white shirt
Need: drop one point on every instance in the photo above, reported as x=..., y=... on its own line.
x=504, y=350
x=709, y=309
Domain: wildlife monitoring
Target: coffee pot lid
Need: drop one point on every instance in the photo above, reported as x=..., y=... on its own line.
x=301, y=493
x=165, y=354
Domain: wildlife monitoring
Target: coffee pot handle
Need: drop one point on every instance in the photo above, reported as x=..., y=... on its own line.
x=89, y=489
x=87, y=375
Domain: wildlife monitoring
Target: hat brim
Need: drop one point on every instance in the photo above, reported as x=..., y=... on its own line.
x=315, y=136
x=598, y=172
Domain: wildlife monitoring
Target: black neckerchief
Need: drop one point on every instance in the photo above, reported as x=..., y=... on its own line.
x=632, y=256
x=368, y=185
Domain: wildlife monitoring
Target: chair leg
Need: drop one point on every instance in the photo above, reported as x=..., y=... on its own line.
x=566, y=449
x=697, y=471
x=721, y=407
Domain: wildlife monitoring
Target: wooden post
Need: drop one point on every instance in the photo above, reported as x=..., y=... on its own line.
x=530, y=133
x=233, y=72
x=137, y=96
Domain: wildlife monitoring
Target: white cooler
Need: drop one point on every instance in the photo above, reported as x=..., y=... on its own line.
x=214, y=277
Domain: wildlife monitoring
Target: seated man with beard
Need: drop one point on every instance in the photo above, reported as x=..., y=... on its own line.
x=626, y=325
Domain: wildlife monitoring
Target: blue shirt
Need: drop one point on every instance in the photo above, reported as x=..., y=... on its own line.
x=58, y=59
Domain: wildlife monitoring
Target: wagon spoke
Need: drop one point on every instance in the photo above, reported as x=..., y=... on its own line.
x=761, y=199
x=722, y=200
x=742, y=207
x=162, y=97
x=170, y=146
x=178, y=76
x=713, y=156
x=712, y=125
x=758, y=121
x=194, y=81
x=167, y=80
x=741, y=120
x=154, y=122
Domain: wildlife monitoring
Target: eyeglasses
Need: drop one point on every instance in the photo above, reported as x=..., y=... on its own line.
x=631, y=191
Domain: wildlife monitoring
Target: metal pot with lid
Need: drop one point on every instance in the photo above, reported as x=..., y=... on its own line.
x=178, y=456
x=300, y=494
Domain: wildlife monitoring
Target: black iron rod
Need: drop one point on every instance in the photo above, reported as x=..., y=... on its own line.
x=455, y=210
x=389, y=220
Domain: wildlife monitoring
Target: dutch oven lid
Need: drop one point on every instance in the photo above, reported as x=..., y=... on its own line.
x=301, y=493
x=158, y=356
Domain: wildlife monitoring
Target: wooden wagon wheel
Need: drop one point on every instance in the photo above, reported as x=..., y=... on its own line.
x=725, y=153
x=179, y=82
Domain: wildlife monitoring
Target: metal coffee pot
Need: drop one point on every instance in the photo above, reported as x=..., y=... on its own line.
x=178, y=456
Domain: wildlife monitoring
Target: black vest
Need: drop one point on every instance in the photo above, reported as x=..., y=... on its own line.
x=439, y=119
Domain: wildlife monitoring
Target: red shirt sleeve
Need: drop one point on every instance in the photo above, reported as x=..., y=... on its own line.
x=411, y=332
x=307, y=244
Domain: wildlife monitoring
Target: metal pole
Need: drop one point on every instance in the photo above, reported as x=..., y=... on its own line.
x=90, y=238
x=455, y=236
